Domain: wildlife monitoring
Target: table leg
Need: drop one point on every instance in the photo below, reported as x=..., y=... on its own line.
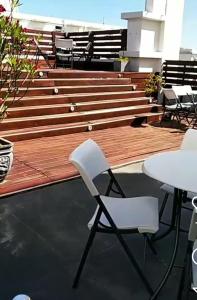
x=176, y=243
x=173, y=219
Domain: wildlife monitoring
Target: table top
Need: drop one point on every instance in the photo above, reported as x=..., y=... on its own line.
x=176, y=168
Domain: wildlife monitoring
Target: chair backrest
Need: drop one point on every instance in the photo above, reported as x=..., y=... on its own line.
x=193, y=227
x=169, y=97
x=182, y=90
x=90, y=161
x=190, y=140
x=21, y=297
x=64, y=44
x=169, y=94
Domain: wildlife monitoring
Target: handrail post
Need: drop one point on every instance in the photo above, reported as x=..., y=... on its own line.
x=53, y=42
x=91, y=40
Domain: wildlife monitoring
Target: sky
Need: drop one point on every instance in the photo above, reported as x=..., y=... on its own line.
x=108, y=12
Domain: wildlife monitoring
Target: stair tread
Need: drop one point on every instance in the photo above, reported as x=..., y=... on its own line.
x=36, y=107
x=74, y=95
x=74, y=79
x=76, y=124
x=100, y=111
x=73, y=87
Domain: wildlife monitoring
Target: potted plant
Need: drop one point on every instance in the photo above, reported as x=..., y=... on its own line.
x=153, y=85
x=15, y=47
x=120, y=64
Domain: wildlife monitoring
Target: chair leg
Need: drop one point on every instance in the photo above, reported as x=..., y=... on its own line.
x=163, y=206
x=134, y=262
x=84, y=257
x=150, y=244
x=125, y=247
x=87, y=248
x=145, y=246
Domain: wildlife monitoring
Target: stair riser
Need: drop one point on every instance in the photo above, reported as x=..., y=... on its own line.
x=74, y=99
x=71, y=118
x=73, y=90
x=56, y=82
x=35, y=83
x=88, y=81
x=85, y=74
x=82, y=128
x=136, y=75
x=62, y=110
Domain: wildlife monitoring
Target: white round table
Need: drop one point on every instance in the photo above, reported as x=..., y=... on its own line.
x=178, y=169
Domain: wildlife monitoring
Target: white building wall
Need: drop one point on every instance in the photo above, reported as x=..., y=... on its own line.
x=173, y=29
x=158, y=7
x=49, y=24
x=133, y=34
x=154, y=34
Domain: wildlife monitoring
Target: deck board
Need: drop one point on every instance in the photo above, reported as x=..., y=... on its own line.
x=45, y=160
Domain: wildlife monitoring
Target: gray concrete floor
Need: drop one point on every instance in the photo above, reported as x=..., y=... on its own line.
x=43, y=233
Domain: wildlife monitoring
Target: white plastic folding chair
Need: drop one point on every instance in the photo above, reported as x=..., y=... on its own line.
x=189, y=143
x=188, y=102
x=113, y=215
x=47, y=55
x=171, y=105
x=64, y=51
x=189, y=275
x=21, y=297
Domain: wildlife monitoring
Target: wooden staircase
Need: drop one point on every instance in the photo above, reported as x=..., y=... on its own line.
x=63, y=102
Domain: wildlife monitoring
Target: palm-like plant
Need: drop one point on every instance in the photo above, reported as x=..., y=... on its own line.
x=16, y=62
x=15, y=57
x=153, y=84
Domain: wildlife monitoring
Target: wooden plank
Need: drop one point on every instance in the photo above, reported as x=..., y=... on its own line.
x=74, y=34
x=81, y=39
x=45, y=160
x=107, y=38
x=180, y=62
x=107, y=44
x=181, y=75
x=179, y=69
x=103, y=32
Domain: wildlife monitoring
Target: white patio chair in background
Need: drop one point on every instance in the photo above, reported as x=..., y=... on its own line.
x=189, y=143
x=188, y=101
x=64, y=51
x=113, y=215
x=171, y=105
x=189, y=273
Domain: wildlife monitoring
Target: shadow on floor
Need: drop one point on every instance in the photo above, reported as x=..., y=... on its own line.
x=174, y=124
x=43, y=234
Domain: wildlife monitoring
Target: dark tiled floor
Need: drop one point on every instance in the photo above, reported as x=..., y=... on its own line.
x=43, y=234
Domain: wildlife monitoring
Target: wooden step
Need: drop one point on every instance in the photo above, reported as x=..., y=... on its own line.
x=54, y=130
x=71, y=90
x=16, y=123
x=71, y=82
x=73, y=98
x=19, y=112
x=82, y=74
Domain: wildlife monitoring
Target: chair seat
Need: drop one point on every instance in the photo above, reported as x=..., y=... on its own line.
x=170, y=189
x=171, y=107
x=194, y=266
x=139, y=213
x=64, y=54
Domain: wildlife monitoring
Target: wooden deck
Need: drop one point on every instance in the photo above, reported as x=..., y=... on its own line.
x=45, y=161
